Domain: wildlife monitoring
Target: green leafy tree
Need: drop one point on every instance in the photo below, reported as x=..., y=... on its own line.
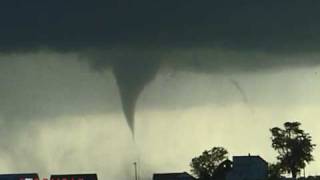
x=205, y=165
x=294, y=147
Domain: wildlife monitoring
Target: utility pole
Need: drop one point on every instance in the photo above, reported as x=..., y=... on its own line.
x=135, y=170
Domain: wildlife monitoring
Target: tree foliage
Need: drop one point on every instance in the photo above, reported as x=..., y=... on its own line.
x=274, y=171
x=205, y=165
x=294, y=147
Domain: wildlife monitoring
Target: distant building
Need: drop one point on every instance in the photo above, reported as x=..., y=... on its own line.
x=27, y=176
x=248, y=168
x=173, y=176
x=74, y=177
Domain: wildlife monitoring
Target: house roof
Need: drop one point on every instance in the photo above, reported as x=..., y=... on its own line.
x=254, y=157
x=172, y=176
x=18, y=176
x=74, y=176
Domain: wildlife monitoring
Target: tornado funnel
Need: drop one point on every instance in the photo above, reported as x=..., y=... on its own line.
x=131, y=77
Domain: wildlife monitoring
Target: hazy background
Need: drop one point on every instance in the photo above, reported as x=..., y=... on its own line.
x=59, y=115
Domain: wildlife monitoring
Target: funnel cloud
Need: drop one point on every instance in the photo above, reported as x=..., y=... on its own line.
x=132, y=76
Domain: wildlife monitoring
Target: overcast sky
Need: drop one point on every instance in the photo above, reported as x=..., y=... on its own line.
x=78, y=78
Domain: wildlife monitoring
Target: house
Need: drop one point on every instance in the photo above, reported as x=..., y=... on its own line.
x=173, y=176
x=74, y=177
x=248, y=168
x=26, y=176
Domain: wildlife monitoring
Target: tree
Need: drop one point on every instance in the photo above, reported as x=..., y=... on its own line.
x=294, y=147
x=222, y=170
x=274, y=171
x=205, y=165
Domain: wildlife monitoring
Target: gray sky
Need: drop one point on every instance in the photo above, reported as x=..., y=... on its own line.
x=78, y=77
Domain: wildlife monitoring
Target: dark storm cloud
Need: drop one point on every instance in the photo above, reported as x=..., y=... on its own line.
x=136, y=38
x=67, y=25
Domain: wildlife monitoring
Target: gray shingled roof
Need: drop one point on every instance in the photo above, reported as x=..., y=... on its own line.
x=173, y=176
x=74, y=177
x=18, y=176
